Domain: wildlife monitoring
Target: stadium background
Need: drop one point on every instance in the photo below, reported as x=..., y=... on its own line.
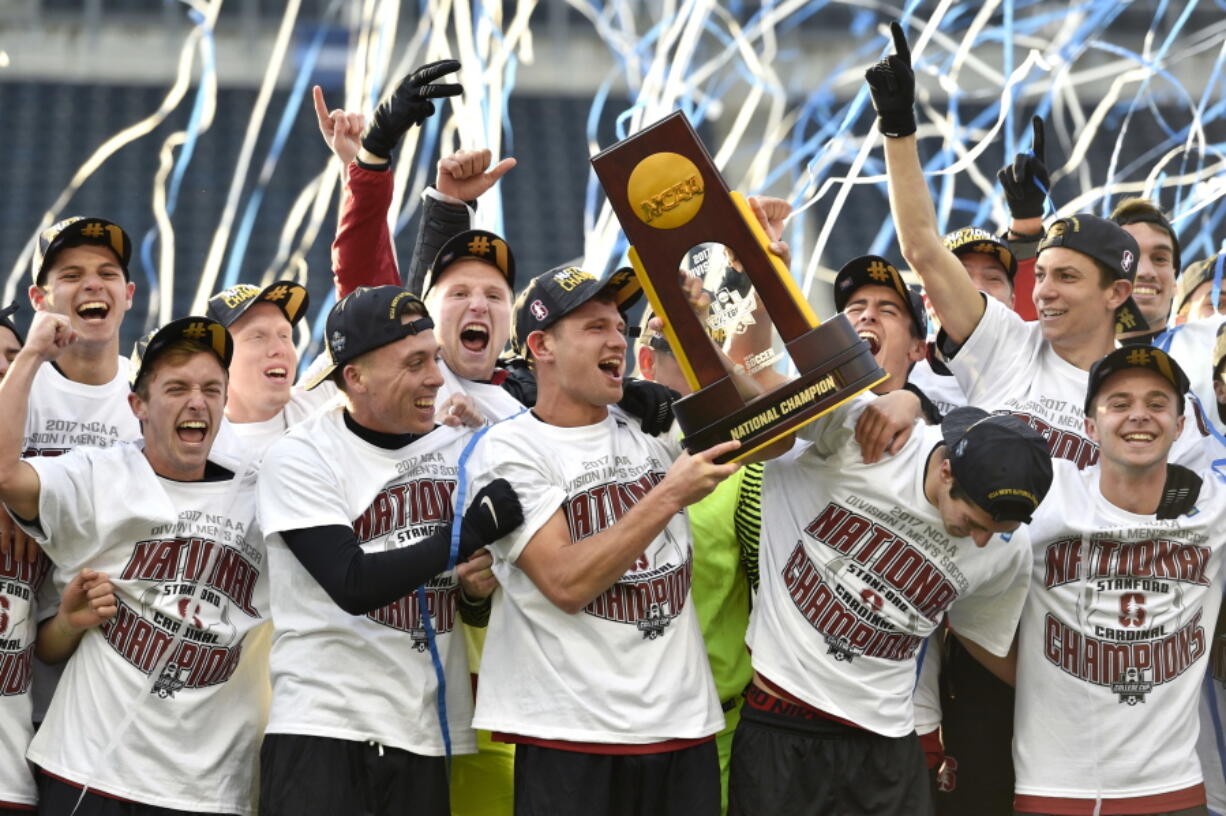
x=74, y=74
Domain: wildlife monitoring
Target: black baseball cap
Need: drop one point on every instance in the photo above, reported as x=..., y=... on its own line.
x=478, y=245
x=230, y=304
x=86, y=230
x=203, y=330
x=366, y=319
x=973, y=239
x=1202, y=271
x=873, y=270
x=1108, y=243
x=6, y=320
x=1127, y=357
x=549, y=297
x=1001, y=463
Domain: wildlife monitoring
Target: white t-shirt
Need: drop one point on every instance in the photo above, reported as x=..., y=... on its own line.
x=942, y=389
x=362, y=677
x=1110, y=659
x=186, y=737
x=928, y=686
x=630, y=668
x=20, y=582
x=857, y=570
x=1191, y=344
x=64, y=414
x=1006, y=366
x=239, y=441
x=494, y=401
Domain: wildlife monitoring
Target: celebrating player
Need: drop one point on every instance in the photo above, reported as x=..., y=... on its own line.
x=261, y=401
x=1124, y=593
x=357, y=502
x=1083, y=285
x=992, y=267
x=1158, y=266
x=859, y=564
x=173, y=663
x=885, y=313
x=595, y=585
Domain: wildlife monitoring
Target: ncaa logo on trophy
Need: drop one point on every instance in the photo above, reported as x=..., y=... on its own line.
x=669, y=197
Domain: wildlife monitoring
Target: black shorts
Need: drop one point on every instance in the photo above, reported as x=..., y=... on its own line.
x=976, y=777
x=553, y=782
x=319, y=776
x=59, y=798
x=787, y=760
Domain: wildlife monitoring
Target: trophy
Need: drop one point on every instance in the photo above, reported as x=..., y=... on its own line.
x=669, y=197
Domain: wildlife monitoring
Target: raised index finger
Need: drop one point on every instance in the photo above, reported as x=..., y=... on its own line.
x=900, y=42
x=1037, y=124
x=321, y=110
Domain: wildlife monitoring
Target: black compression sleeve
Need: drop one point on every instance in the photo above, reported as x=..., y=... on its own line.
x=361, y=582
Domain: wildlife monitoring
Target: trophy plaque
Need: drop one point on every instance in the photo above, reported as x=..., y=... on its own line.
x=669, y=197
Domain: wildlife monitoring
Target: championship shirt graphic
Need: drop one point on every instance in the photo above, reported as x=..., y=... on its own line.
x=1143, y=623
x=399, y=515
x=190, y=588
x=1052, y=419
x=647, y=597
x=887, y=584
x=19, y=583
x=58, y=436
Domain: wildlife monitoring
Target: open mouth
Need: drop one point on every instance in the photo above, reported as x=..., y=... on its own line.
x=93, y=310
x=612, y=367
x=1145, y=290
x=192, y=431
x=424, y=403
x=1139, y=436
x=874, y=342
x=1051, y=314
x=474, y=337
x=277, y=374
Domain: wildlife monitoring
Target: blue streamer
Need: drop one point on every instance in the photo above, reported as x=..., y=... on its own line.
x=289, y=115
x=208, y=66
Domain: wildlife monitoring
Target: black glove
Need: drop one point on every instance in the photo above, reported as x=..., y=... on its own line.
x=650, y=402
x=891, y=84
x=1026, y=181
x=410, y=105
x=494, y=512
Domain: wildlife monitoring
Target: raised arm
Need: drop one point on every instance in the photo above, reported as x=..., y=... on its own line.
x=571, y=574
x=462, y=178
x=957, y=302
x=50, y=334
x=363, y=253
x=747, y=346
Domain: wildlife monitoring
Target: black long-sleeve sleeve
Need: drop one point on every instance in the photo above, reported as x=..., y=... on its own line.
x=440, y=221
x=361, y=582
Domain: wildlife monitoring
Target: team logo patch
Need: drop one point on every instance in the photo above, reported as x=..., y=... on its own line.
x=337, y=342
x=538, y=310
x=654, y=624
x=1132, y=686
x=841, y=648
x=1126, y=260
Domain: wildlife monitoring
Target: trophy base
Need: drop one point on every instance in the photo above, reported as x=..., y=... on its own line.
x=825, y=382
